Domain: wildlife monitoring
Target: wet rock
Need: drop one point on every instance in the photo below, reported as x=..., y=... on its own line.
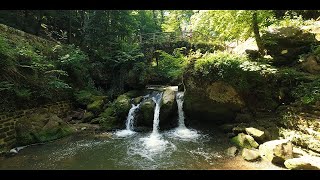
x=250, y=154
x=245, y=141
x=168, y=108
x=232, y=151
x=276, y=151
x=258, y=135
x=145, y=114
x=303, y=163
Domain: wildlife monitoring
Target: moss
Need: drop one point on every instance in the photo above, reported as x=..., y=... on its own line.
x=96, y=106
x=44, y=135
x=108, y=119
x=244, y=141
x=122, y=106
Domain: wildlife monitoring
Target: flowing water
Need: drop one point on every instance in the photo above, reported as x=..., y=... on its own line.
x=129, y=122
x=89, y=152
x=182, y=131
x=180, y=148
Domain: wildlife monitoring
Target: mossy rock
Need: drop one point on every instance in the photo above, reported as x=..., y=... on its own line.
x=122, y=106
x=96, y=106
x=146, y=113
x=97, y=98
x=36, y=128
x=137, y=100
x=108, y=119
x=244, y=141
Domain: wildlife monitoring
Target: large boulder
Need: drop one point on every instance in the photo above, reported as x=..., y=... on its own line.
x=114, y=116
x=245, y=141
x=41, y=127
x=215, y=102
x=276, y=151
x=285, y=44
x=146, y=113
x=168, y=108
x=303, y=163
x=311, y=65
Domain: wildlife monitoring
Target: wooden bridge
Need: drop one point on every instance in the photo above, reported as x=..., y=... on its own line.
x=161, y=37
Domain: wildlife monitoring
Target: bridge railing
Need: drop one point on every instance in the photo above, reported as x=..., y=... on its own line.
x=161, y=37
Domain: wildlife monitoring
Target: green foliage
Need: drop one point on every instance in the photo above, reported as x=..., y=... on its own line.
x=308, y=93
x=227, y=24
x=171, y=66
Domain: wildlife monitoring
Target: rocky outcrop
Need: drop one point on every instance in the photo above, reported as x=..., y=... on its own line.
x=303, y=163
x=115, y=115
x=311, y=65
x=168, y=108
x=287, y=43
x=250, y=154
x=215, y=102
x=41, y=127
x=146, y=113
x=276, y=151
x=245, y=141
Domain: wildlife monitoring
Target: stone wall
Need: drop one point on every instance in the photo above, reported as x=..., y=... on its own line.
x=8, y=121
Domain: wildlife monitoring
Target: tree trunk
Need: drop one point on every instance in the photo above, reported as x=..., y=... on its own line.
x=154, y=17
x=38, y=28
x=255, y=27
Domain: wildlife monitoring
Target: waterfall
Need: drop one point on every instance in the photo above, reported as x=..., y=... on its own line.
x=131, y=115
x=157, y=99
x=182, y=131
x=179, y=99
x=129, y=122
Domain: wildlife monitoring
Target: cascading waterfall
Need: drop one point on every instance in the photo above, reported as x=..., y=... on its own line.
x=157, y=99
x=129, y=122
x=182, y=131
x=154, y=143
x=179, y=98
x=130, y=119
x=131, y=115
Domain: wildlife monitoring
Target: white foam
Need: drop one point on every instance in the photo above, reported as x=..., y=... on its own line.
x=124, y=133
